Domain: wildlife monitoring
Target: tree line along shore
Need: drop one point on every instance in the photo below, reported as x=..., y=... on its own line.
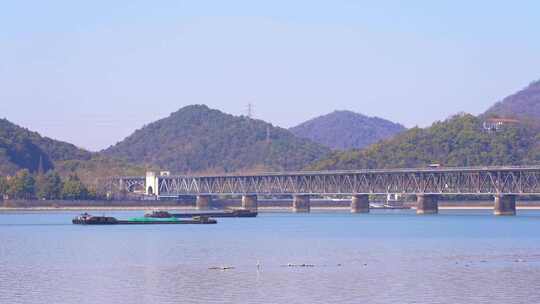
x=45, y=186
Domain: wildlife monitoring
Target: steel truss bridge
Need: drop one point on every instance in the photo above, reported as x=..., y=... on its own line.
x=523, y=180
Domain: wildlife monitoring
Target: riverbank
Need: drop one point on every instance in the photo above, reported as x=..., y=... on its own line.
x=260, y=209
x=263, y=205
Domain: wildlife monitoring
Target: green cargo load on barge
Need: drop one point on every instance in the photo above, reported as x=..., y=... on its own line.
x=87, y=219
x=146, y=219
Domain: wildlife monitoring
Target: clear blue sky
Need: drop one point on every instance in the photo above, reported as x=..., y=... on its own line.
x=91, y=72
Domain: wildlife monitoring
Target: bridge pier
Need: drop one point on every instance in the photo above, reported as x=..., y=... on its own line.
x=360, y=203
x=301, y=203
x=427, y=204
x=505, y=204
x=250, y=202
x=203, y=202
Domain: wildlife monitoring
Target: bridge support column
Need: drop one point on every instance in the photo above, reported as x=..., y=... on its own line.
x=250, y=202
x=203, y=202
x=301, y=203
x=505, y=204
x=427, y=204
x=360, y=203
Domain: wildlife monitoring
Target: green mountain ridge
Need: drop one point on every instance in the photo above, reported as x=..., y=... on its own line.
x=21, y=148
x=199, y=139
x=458, y=141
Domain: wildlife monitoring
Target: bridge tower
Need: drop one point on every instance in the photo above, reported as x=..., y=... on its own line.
x=152, y=183
x=360, y=203
x=427, y=203
x=301, y=203
x=505, y=204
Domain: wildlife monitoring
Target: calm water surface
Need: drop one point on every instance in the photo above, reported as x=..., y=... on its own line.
x=383, y=257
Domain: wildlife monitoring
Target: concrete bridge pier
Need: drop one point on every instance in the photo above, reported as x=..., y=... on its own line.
x=505, y=204
x=360, y=203
x=427, y=204
x=250, y=202
x=203, y=202
x=301, y=203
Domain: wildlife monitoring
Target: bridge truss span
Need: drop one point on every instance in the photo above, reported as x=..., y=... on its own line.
x=452, y=181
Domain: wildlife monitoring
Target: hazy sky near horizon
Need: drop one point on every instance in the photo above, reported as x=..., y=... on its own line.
x=91, y=72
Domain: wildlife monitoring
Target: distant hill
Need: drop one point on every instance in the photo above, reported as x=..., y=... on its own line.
x=523, y=105
x=199, y=139
x=458, y=141
x=21, y=148
x=343, y=130
x=461, y=140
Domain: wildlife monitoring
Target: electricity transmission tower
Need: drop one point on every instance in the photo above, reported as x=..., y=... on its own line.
x=250, y=110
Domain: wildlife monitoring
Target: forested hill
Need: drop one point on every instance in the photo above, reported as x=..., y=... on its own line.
x=523, y=105
x=199, y=139
x=343, y=130
x=458, y=141
x=24, y=149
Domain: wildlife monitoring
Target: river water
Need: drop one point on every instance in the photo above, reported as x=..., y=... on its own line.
x=382, y=257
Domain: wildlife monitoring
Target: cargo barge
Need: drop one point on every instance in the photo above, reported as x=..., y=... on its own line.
x=87, y=219
x=228, y=213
